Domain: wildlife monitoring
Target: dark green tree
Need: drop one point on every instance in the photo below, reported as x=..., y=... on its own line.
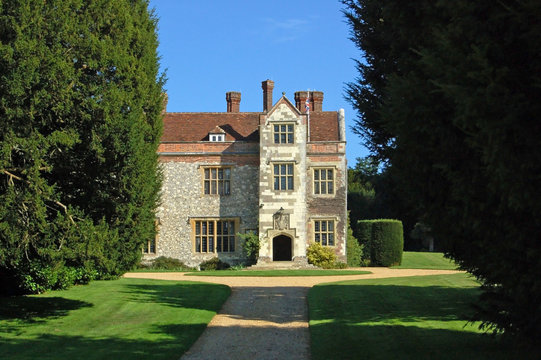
x=448, y=93
x=80, y=103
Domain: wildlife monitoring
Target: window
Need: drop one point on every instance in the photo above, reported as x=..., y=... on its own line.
x=283, y=134
x=283, y=176
x=324, y=232
x=323, y=181
x=150, y=246
x=217, y=180
x=214, y=235
x=216, y=137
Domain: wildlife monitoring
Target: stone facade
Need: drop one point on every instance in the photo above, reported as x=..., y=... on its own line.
x=273, y=176
x=183, y=199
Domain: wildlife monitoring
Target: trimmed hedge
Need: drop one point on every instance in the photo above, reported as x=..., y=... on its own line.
x=383, y=240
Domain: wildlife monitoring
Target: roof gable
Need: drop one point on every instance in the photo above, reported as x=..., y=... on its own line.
x=283, y=110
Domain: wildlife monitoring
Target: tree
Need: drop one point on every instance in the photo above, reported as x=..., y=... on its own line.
x=80, y=103
x=448, y=93
x=374, y=194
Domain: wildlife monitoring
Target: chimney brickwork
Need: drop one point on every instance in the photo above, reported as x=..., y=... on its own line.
x=268, y=86
x=233, y=101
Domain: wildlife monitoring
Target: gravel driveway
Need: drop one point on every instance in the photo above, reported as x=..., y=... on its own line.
x=265, y=317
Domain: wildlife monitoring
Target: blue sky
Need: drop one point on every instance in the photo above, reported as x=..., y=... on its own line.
x=210, y=47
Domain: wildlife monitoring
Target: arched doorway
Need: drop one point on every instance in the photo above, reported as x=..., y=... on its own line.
x=281, y=248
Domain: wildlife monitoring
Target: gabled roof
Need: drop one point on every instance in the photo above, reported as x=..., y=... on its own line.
x=197, y=126
x=241, y=126
x=217, y=130
x=289, y=104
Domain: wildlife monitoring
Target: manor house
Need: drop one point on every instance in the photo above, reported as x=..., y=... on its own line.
x=280, y=173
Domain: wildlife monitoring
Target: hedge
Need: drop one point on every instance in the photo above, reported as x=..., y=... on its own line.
x=383, y=241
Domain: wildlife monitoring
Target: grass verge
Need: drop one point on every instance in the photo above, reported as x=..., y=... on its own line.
x=425, y=260
x=121, y=319
x=275, y=273
x=400, y=318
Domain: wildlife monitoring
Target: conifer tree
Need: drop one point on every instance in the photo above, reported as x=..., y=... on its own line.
x=448, y=94
x=80, y=109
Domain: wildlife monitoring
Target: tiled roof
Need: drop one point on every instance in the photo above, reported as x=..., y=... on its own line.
x=196, y=126
x=324, y=126
x=238, y=126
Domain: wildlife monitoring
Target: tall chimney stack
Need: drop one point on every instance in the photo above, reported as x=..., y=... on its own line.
x=164, y=102
x=233, y=101
x=300, y=101
x=268, y=86
x=317, y=100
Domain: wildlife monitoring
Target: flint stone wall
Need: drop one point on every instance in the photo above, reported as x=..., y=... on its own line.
x=182, y=198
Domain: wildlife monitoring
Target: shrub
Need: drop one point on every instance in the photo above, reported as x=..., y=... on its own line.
x=167, y=263
x=354, y=250
x=250, y=246
x=321, y=256
x=384, y=239
x=364, y=236
x=214, y=264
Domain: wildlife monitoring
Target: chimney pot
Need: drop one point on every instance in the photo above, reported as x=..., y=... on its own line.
x=268, y=86
x=233, y=101
x=317, y=100
x=300, y=101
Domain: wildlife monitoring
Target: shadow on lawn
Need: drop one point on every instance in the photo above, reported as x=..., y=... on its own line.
x=50, y=346
x=192, y=295
x=35, y=309
x=400, y=322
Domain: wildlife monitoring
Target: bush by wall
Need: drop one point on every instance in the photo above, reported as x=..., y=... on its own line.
x=354, y=250
x=322, y=256
x=214, y=264
x=250, y=246
x=383, y=240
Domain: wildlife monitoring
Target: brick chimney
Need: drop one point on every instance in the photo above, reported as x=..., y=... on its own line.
x=317, y=100
x=300, y=101
x=268, y=86
x=164, y=102
x=233, y=101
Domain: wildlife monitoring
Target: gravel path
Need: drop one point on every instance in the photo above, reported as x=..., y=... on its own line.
x=265, y=317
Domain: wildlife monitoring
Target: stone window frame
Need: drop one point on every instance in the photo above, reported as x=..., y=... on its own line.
x=327, y=181
x=213, y=249
x=280, y=176
x=151, y=246
x=326, y=232
x=216, y=180
x=289, y=136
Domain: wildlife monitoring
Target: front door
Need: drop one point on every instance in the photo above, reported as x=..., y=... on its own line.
x=281, y=248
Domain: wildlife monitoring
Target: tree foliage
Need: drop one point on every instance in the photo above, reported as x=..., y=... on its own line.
x=448, y=93
x=80, y=110
x=374, y=193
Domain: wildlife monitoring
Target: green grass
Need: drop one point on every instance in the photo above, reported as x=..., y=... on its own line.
x=121, y=319
x=425, y=260
x=274, y=273
x=401, y=318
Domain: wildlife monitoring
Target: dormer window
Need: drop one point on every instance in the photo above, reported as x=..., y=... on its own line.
x=216, y=137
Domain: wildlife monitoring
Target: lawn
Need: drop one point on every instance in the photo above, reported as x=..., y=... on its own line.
x=400, y=318
x=121, y=319
x=425, y=260
x=274, y=273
